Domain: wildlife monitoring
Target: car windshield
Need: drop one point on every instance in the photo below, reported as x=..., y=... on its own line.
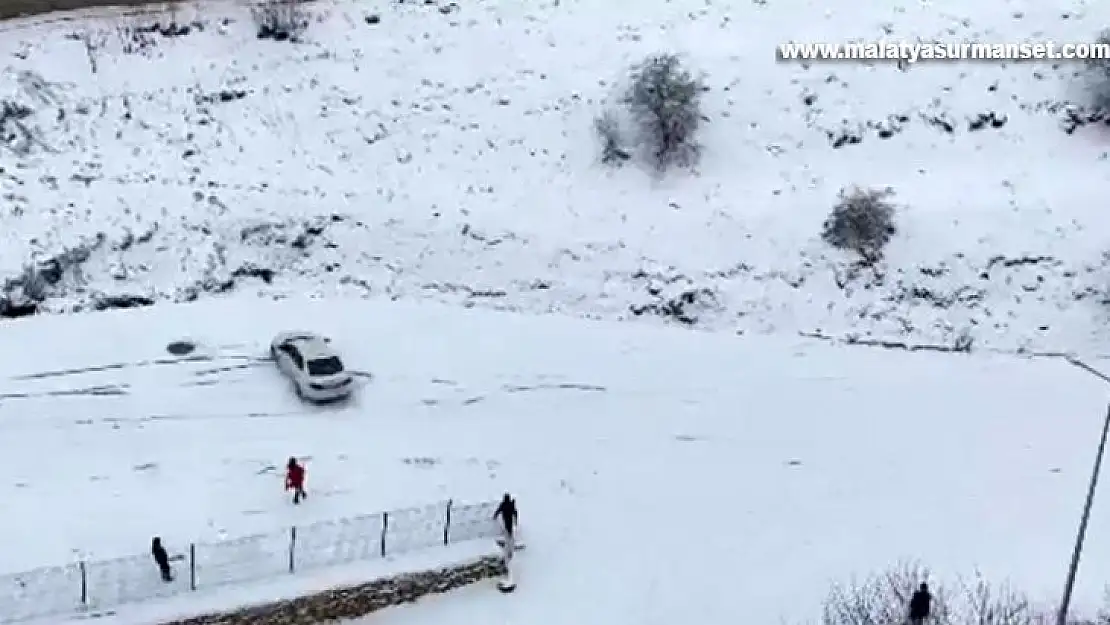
x=325, y=366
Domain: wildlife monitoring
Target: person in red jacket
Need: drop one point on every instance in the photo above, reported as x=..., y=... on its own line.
x=294, y=479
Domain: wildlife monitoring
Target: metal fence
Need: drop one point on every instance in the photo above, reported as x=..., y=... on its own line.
x=99, y=585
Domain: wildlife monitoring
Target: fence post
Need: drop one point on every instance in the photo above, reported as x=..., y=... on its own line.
x=447, y=524
x=192, y=566
x=293, y=549
x=385, y=528
x=84, y=586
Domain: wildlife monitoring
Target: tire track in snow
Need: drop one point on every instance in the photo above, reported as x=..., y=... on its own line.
x=155, y=362
x=106, y=390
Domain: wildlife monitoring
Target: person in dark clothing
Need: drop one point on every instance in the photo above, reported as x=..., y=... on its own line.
x=161, y=558
x=506, y=511
x=294, y=479
x=920, y=604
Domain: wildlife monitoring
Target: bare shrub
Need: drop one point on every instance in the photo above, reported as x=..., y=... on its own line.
x=881, y=599
x=281, y=20
x=861, y=221
x=986, y=604
x=665, y=101
x=93, y=41
x=1103, y=616
x=1098, y=71
x=884, y=599
x=16, y=134
x=608, y=127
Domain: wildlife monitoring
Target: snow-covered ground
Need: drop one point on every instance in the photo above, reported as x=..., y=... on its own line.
x=661, y=474
x=446, y=151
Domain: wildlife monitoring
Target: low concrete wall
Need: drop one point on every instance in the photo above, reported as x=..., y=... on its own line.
x=355, y=601
x=70, y=10
x=22, y=8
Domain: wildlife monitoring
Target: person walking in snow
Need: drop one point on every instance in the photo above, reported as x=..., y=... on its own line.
x=161, y=558
x=294, y=480
x=506, y=511
x=920, y=605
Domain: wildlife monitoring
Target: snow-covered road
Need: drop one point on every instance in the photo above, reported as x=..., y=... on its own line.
x=725, y=471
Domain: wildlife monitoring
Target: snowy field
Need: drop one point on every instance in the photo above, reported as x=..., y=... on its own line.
x=411, y=166
x=447, y=152
x=661, y=474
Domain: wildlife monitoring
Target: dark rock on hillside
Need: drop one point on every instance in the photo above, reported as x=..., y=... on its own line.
x=896, y=123
x=843, y=137
x=1075, y=117
x=122, y=301
x=15, y=310
x=221, y=96
x=939, y=121
x=987, y=119
x=252, y=271
x=673, y=297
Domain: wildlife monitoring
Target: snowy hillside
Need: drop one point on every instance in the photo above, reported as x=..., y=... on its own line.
x=704, y=473
x=412, y=150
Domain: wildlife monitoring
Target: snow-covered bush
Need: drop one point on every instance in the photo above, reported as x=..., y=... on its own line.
x=280, y=20
x=664, y=99
x=987, y=604
x=15, y=133
x=861, y=221
x=884, y=600
x=22, y=294
x=608, y=127
x=1099, y=72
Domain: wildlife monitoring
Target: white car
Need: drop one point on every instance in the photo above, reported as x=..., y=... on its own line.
x=316, y=371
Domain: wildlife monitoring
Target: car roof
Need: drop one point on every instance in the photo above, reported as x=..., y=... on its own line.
x=312, y=347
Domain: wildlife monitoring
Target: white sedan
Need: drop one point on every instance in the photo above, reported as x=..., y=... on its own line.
x=316, y=371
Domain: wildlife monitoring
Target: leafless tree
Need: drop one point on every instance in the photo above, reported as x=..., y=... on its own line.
x=664, y=99
x=93, y=41
x=281, y=20
x=862, y=221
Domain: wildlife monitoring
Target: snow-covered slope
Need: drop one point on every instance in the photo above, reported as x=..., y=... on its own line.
x=662, y=475
x=447, y=151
